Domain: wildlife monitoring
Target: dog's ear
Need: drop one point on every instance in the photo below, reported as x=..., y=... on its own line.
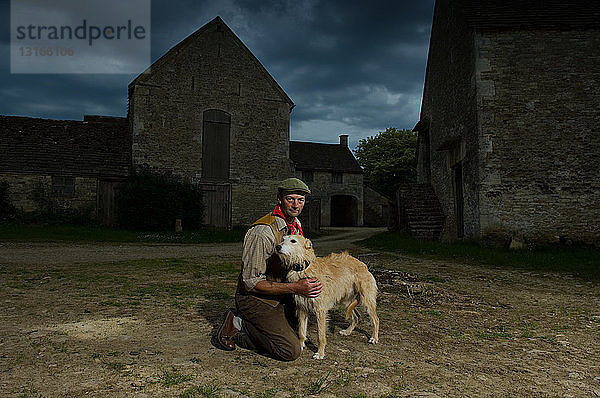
x=307, y=244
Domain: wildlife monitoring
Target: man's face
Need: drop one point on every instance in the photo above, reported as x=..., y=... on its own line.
x=291, y=204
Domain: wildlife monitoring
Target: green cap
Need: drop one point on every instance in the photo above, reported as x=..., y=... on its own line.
x=293, y=185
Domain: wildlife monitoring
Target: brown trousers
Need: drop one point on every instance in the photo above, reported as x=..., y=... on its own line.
x=265, y=328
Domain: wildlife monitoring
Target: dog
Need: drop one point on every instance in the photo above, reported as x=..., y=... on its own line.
x=345, y=280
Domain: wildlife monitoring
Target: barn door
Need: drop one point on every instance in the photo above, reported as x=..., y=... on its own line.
x=215, y=145
x=217, y=205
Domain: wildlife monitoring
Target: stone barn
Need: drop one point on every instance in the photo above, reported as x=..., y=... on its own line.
x=509, y=134
x=66, y=164
x=335, y=179
x=209, y=111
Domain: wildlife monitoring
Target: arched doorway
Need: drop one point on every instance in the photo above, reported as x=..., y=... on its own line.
x=344, y=211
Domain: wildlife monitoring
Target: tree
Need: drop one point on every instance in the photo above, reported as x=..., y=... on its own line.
x=388, y=159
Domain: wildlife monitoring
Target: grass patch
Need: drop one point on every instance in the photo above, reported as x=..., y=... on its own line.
x=581, y=262
x=270, y=393
x=173, y=377
x=116, y=366
x=77, y=233
x=205, y=390
x=319, y=385
x=491, y=335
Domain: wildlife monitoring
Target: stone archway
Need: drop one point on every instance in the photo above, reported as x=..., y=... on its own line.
x=344, y=211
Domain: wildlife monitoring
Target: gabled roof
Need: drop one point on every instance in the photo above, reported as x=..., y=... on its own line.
x=530, y=14
x=95, y=147
x=216, y=24
x=323, y=157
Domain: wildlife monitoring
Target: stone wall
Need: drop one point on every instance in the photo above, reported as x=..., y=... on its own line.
x=538, y=95
x=322, y=189
x=376, y=208
x=23, y=186
x=448, y=108
x=212, y=69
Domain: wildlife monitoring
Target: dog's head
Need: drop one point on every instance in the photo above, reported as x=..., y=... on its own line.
x=296, y=252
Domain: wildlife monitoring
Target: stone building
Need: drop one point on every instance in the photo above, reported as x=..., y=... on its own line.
x=509, y=126
x=335, y=179
x=72, y=164
x=376, y=208
x=209, y=111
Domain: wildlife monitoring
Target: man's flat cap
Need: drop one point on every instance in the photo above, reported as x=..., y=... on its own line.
x=293, y=185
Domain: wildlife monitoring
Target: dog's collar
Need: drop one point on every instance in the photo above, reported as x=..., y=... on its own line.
x=300, y=266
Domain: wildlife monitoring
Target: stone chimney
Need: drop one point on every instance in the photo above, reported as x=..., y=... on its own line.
x=344, y=139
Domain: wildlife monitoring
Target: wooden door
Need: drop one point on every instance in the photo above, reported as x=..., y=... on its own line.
x=106, y=203
x=215, y=145
x=216, y=199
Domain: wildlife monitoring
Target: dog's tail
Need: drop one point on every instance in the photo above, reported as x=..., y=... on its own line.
x=351, y=308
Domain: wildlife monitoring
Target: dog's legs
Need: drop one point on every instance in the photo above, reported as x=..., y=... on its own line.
x=371, y=306
x=302, y=325
x=322, y=327
x=351, y=312
x=368, y=297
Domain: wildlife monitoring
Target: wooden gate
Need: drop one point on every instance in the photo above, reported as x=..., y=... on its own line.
x=216, y=199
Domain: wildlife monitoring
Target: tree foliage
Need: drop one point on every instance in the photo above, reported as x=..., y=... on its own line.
x=388, y=159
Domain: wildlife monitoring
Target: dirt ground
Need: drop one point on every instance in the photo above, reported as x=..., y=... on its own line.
x=105, y=320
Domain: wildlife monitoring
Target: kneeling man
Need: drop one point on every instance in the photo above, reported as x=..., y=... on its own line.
x=260, y=321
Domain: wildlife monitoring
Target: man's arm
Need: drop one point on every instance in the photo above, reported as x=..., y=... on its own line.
x=259, y=244
x=310, y=288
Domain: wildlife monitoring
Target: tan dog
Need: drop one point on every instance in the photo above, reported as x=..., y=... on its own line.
x=345, y=280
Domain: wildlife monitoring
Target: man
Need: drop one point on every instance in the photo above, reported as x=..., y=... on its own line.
x=260, y=322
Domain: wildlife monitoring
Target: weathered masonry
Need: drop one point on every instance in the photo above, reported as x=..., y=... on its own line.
x=68, y=164
x=335, y=179
x=209, y=111
x=509, y=133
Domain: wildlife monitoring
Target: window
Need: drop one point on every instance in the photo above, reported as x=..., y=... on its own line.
x=308, y=176
x=337, y=177
x=63, y=187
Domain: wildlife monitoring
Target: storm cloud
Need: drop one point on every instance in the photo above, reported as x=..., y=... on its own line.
x=350, y=67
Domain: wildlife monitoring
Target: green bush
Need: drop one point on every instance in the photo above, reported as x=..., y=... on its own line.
x=151, y=201
x=7, y=210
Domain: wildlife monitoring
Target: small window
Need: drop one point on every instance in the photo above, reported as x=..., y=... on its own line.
x=63, y=187
x=337, y=178
x=308, y=176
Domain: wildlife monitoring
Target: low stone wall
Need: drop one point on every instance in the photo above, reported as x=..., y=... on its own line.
x=22, y=192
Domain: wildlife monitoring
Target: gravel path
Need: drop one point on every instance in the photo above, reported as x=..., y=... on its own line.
x=70, y=253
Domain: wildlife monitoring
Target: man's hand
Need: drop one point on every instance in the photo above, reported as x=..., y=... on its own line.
x=308, y=287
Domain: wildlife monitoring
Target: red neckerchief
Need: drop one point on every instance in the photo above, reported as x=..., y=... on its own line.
x=294, y=227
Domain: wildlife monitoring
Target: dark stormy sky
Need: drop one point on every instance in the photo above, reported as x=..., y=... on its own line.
x=350, y=66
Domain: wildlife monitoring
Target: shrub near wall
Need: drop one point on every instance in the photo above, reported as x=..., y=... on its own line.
x=152, y=201
x=7, y=210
